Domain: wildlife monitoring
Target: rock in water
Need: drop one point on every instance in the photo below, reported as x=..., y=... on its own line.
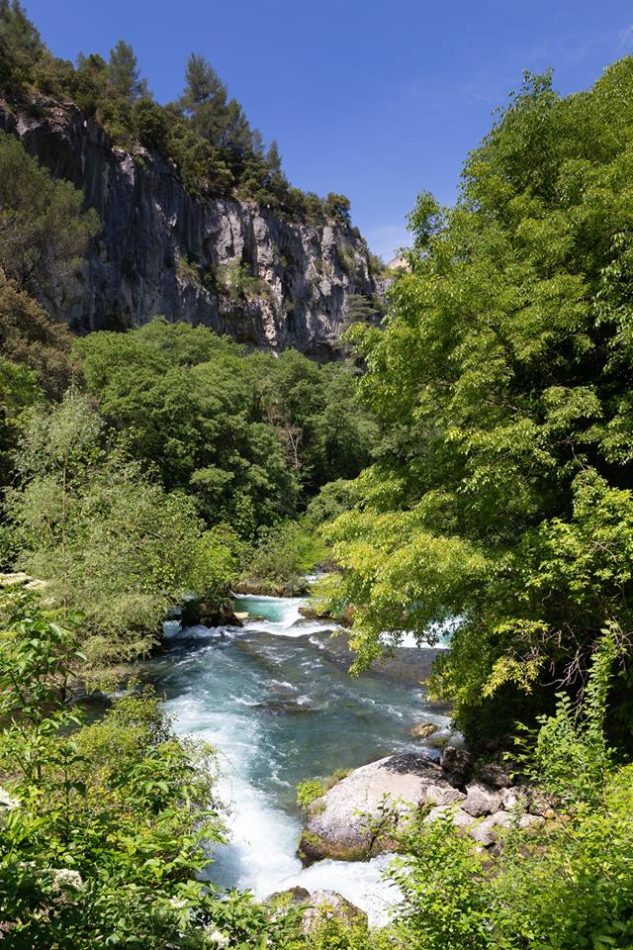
x=354, y=819
x=319, y=906
x=423, y=730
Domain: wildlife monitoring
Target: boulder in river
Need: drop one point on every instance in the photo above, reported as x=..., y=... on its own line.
x=357, y=818
x=422, y=730
x=354, y=819
x=319, y=906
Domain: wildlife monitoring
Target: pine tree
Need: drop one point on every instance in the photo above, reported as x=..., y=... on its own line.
x=124, y=75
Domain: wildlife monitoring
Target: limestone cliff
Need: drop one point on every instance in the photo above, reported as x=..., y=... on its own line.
x=230, y=264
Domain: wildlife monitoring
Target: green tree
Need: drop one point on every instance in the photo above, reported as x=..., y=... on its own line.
x=124, y=75
x=20, y=45
x=110, y=544
x=502, y=491
x=28, y=336
x=183, y=399
x=43, y=230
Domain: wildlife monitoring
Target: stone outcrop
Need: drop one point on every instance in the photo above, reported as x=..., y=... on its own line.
x=353, y=819
x=230, y=264
x=319, y=906
x=7, y=802
x=357, y=817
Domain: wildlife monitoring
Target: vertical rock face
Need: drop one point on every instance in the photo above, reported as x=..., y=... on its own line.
x=230, y=264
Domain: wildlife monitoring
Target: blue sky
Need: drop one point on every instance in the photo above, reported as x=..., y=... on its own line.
x=375, y=100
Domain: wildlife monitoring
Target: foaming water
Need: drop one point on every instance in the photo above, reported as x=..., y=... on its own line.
x=275, y=700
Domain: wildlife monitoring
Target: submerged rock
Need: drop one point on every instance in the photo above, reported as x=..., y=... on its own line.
x=422, y=730
x=278, y=707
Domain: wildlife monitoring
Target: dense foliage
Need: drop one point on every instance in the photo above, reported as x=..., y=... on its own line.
x=502, y=492
x=251, y=437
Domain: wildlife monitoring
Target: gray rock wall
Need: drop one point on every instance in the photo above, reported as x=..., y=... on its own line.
x=162, y=251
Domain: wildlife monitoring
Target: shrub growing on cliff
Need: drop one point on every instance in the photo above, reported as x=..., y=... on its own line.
x=43, y=229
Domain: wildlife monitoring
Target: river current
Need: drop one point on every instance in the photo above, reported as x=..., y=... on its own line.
x=275, y=700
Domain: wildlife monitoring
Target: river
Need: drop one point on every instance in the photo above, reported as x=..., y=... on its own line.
x=276, y=701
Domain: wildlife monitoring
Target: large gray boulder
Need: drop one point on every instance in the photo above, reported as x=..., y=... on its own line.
x=482, y=800
x=355, y=818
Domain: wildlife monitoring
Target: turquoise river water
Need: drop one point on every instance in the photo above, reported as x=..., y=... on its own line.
x=275, y=699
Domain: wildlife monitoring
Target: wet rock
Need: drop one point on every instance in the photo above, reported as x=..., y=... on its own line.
x=423, y=730
x=280, y=707
x=481, y=800
x=457, y=764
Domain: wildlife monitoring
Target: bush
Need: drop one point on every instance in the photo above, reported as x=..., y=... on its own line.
x=104, y=845
x=280, y=558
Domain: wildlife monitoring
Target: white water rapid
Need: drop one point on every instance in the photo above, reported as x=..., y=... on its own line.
x=276, y=702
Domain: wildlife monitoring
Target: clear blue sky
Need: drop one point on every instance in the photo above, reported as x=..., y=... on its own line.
x=375, y=100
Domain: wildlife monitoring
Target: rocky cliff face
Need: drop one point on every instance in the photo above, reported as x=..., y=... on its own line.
x=232, y=265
